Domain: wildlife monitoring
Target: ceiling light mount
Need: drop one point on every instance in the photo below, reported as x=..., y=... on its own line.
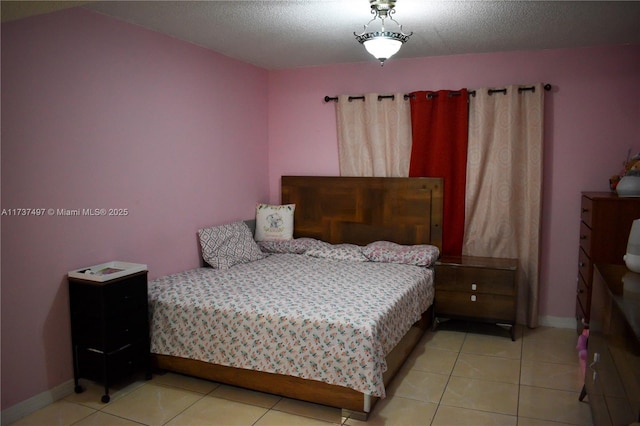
x=382, y=43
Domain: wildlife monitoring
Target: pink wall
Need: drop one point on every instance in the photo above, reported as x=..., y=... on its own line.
x=592, y=117
x=102, y=114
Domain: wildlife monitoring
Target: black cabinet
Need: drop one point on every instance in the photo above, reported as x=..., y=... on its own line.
x=109, y=329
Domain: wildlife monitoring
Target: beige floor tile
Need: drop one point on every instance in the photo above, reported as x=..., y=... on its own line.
x=523, y=421
x=443, y=339
x=152, y=404
x=185, y=382
x=210, y=411
x=448, y=416
x=487, y=368
x=418, y=385
x=308, y=409
x=280, y=418
x=398, y=411
x=93, y=392
x=103, y=419
x=554, y=405
x=432, y=359
x=481, y=395
x=552, y=376
x=246, y=396
x=482, y=344
x=60, y=413
x=546, y=344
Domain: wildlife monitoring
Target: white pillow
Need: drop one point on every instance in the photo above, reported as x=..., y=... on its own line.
x=274, y=222
x=226, y=245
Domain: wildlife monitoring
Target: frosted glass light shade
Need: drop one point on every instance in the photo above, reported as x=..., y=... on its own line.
x=382, y=48
x=632, y=258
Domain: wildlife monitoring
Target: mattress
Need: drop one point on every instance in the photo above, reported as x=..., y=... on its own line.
x=292, y=314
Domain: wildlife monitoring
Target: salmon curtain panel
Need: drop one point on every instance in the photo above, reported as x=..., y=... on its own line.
x=374, y=135
x=504, y=184
x=439, y=122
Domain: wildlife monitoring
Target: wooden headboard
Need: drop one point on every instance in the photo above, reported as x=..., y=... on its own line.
x=360, y=210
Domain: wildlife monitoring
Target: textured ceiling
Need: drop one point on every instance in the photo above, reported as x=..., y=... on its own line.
x=286, y=34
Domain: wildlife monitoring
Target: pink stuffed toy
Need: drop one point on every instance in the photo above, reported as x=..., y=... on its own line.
x=582, y=349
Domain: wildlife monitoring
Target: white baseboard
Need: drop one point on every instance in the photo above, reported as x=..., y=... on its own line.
x=557, y=322
x=33, y=404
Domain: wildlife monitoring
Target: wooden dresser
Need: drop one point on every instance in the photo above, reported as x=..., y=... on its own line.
x=612, y=380
x=476, y=288
x=604, y=231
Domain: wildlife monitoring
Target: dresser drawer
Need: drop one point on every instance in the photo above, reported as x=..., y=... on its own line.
x=585, y=268
x=586, y=210
x=582, y=293
x=475, y=305
x=478, y=280
x=585, y=238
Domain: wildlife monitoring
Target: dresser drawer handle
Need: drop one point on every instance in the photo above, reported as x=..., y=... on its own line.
x=473, y=297
x=474, y=287
x=584, y=210
x=583, y=237
x=581, y=264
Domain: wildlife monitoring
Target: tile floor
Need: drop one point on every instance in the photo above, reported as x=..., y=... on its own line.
x=462, y=374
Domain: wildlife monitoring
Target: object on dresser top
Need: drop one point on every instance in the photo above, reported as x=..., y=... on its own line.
x=632, y=256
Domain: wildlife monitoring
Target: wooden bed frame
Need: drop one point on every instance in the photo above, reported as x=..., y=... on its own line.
x=356, y=210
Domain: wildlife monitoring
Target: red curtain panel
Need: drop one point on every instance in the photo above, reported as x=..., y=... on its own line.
x=439, y=122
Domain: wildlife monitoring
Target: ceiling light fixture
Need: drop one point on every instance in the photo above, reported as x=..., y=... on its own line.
x=382, y=44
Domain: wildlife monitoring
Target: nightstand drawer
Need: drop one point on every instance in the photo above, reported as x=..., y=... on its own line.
x=474, y=305
x=478, y=280
x=119, y=364
x=120, y=331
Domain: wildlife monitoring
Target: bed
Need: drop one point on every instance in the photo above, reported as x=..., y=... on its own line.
x=312, y=348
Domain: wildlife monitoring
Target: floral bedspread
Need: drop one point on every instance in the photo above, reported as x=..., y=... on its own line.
x=322, y=319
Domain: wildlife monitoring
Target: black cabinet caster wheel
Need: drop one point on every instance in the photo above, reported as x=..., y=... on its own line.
x=78, y=389
x=105, y=398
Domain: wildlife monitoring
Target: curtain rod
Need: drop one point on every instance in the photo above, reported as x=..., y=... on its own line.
x=547, y=87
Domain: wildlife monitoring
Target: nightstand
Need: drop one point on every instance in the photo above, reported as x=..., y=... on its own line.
x=109, y=328
x=476, y=288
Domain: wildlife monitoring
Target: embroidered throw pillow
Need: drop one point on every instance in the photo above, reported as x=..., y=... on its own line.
x=227, y=245
x=274, y=222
